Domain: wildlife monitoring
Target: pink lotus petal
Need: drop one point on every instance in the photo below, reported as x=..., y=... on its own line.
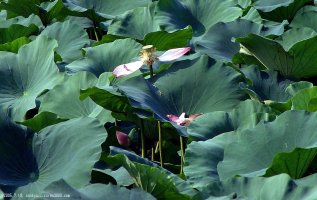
x=126, y=69
x=173, y=54
x=123, y=139
x=194, y=116
x=178, y=120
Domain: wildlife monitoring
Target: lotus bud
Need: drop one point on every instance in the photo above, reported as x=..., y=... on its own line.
x=123, y=139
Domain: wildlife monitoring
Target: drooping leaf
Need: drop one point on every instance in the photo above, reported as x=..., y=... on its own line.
x=70, y=37
x=105, y=57
x=26, y=75
x=201, y=15
x=305, y=99
x=151, y=179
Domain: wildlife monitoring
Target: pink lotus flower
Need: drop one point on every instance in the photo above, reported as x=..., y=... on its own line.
x=148, y=57
x=123, y=139
x=182, y=120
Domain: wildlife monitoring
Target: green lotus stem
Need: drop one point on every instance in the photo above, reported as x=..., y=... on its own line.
x=96, y=35
x=182, y=154
x=142, y=139
x=151, y=71
x=160, y=142
x=152, y=154
x=157, y=147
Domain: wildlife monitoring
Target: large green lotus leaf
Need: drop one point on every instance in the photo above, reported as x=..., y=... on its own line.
x=151, y=179
x=267, y=85
x=279, y=10
x=16, y=31
x=105, y=57
x=135, y=23
x=298, y=62
x=15, y=45
x=253, y=153
x=105, y=8
x=64, y=100
x=26, y=75
x=66, y=150
x=218, y=41
x=199, y=14
x=246, y=115
x=293, y=88
x=70, y=37
x=186, y=87
x=305, y=99
x=32, y=19
x=280, y=187
x=96, y=192
x=202, y=158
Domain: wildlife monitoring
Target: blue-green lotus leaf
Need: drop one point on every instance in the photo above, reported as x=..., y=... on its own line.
x=20, y=7
x=105, y=57
x=186, y=87
x=280, y=187
x=246, y=115
x=105, y=8
x=135, y=23
x=32, y=165
x=256, y=151
x=298, y=61
x=267, y=85
x=306, y=18
x=70, y=37
x=219, y=43
x=26, y=75
x=279, y=10
x=66, y=150
x=67, y=104
x=202, y=158
x=95, y=192
x=199, y=14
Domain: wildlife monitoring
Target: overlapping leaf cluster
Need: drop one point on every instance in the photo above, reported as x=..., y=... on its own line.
x=251, y=73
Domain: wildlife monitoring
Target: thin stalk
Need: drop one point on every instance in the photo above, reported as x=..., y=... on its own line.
x=142, y=139
x=157, y=147
x=152, y=155
x=160, y=142
x=96, y=35
x=182, y=154
x=151, y=71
